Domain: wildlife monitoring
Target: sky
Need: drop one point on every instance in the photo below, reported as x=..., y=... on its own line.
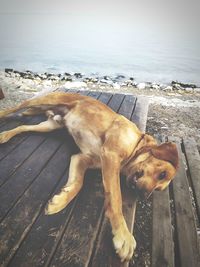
x=102, y=25
x=178, y=17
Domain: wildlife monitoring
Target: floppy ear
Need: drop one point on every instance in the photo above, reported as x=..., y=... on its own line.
x=166, y=151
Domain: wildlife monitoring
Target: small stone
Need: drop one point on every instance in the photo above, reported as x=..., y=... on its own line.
x=116, y=86
x=141, y=86
x=75, y=84
x=78, y=75
x=47, y=83
x=197, y=90
x=168, y=88
x=189, y=90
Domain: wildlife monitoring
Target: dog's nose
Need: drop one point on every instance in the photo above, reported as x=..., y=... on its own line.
x=139, y=174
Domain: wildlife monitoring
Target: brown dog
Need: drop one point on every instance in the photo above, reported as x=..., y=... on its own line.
x=108, y=141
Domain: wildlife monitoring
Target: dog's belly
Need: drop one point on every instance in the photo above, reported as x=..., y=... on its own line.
x=84, y=137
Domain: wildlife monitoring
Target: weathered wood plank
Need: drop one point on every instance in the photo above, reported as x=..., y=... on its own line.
x=21, y=217
x=42, y=240
x=139, y=116
x=193, y=160
x=127, y=106
x=162, y=235
x=185, y=223
x=116, y=101
x=162, y=243
x=11, y=191
x=81, y=92
x=6, y=148
x=95, y=94
x=12, y=161
x=77, y=243
x=105, y=98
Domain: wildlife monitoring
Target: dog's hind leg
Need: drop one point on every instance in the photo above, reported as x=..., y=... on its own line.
x=78, y=165
x=33, y=111
x=46, y=126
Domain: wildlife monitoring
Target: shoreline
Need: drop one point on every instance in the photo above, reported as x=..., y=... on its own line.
x=117, y=82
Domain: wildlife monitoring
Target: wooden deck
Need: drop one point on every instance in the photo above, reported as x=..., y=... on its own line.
x=176, y=212
x=33, y=167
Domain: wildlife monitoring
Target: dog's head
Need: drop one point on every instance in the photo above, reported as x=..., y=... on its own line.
x=152, y=168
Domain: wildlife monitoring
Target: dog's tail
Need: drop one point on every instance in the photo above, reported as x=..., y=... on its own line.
x=46, y=102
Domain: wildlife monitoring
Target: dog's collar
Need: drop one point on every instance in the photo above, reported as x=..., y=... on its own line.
x=134, y=153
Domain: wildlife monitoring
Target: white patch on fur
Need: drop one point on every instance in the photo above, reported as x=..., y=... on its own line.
x=87, y=141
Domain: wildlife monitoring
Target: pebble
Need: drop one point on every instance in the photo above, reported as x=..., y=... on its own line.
x=70, y=85
x=168, y=88
x=141, y=86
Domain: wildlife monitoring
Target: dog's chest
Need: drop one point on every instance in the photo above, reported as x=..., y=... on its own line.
x=83, y=135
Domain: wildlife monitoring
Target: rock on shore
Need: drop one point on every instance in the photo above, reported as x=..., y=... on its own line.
x=37, y=81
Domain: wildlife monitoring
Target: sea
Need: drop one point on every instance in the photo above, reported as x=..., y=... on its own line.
x=73, y=43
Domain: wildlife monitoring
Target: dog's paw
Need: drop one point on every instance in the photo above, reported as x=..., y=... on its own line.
x=4, y=137
x=57, y=203
x=124, y=244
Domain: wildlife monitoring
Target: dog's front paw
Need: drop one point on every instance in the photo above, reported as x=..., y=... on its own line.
x=4, y=137
x=124, y=243
x=57, y=203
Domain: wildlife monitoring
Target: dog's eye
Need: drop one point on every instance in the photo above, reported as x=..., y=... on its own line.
x=162, y=175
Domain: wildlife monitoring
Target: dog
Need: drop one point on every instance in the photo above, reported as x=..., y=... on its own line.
x=107, y=141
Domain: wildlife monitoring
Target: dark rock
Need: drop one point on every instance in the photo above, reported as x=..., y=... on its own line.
x=8, y=70
x=78, y=75
x=67, y=79
x=107, y=78
x=131, y=79
x=183, y=85
x=67, y=74
x=119, y=77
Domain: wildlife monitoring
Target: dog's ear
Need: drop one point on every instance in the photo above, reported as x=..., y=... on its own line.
x=168, y=152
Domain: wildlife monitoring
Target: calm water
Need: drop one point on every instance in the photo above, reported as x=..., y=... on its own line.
x=71, y=43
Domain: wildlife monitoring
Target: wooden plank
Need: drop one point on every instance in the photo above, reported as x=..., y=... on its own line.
x=193, y=160
x=162, y=239
x=14, y=188
x=139, y=116
x=188, y=246
x=42, y=240
x=105, y=97
x=81, y=92
x=104, y=254
x=13, y=160
x=95, y=94
x=78, y=240
x=20, y=219
x=162, y=236
x=6, y=148
x=116, y=101
x=127, y=106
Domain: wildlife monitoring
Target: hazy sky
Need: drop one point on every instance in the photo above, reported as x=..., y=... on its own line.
x=169, y=18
